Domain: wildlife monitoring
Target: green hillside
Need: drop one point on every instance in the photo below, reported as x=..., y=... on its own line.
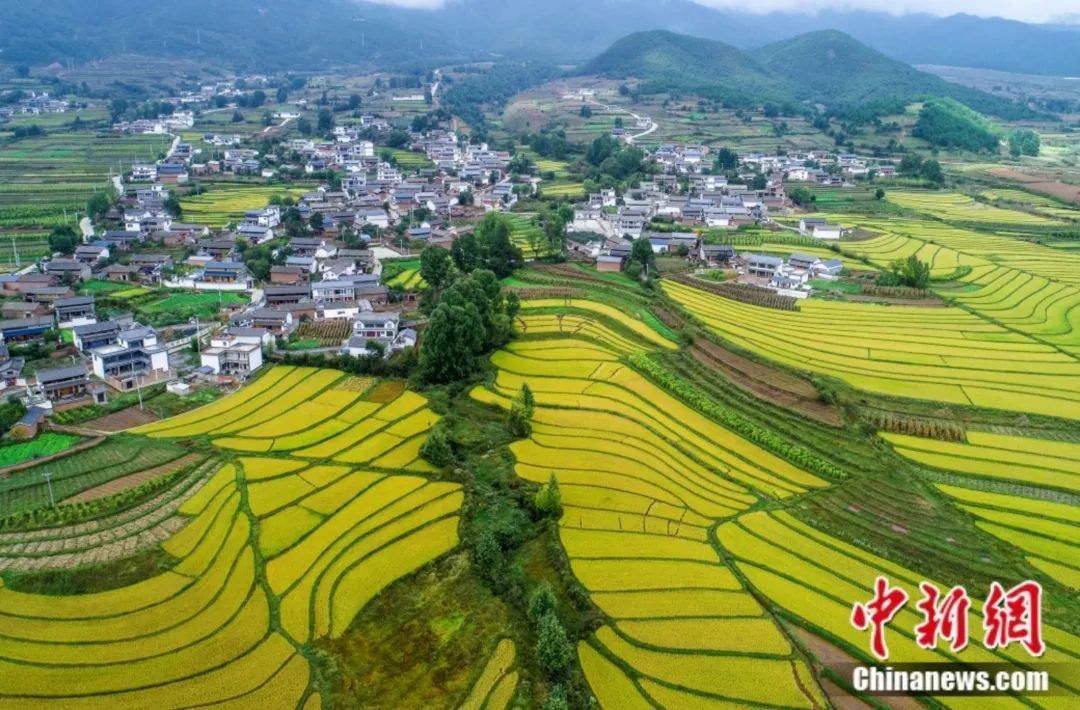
x=669, y=61
x=949, y=123
x=826, y=67
x=834, y=68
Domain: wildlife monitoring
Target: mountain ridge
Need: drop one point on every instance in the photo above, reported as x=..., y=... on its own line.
x=816, y=67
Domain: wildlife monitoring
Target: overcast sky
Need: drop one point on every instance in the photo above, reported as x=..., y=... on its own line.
x=1026, y=10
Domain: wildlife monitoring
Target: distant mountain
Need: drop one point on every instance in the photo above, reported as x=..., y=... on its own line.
x=572, y=30
x=831, y=67
x=251, y=34
x=826, y=67
x=690, y=64
x=314, y=34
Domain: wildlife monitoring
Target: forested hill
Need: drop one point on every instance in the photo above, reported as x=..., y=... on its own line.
x=261, y=35
x=665, y=59
x=835, y=69
x=827, y=67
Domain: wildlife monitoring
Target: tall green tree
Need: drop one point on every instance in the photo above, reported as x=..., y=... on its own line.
x=436, y=267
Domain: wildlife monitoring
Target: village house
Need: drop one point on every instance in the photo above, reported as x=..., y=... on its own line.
x=78, y=310
x=95, y=335
x=68, y=384
x=68, y=268
x=232, y=356
x=23, y=330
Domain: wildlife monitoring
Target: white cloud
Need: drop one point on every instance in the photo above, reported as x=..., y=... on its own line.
x=1025, y=10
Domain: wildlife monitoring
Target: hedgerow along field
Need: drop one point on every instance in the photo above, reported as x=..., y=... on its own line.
x=277, y=553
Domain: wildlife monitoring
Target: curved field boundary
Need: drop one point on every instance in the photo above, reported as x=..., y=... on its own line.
x=638, y=503
x=496, y=668
x=1053, y=464
x=816, y=577
x=946, y=355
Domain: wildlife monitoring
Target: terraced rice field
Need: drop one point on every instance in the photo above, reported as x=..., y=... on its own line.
x=495, y=686
x=945, y=355
x=203, y=632
x=314, y=414
x=1049, y=532
x=643, y=477
x=1021, y=285
x=1042, y=205
x=1051, y=464
x=815, y=576
x=271, y=554
x=43, y=178
x=222, y=204
x=954, y=207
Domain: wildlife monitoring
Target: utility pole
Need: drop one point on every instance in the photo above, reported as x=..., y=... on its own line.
x=47, y=475
x=138, y=388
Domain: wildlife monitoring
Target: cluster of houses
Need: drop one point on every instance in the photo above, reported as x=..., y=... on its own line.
x=165, y=123
x=120, y=352
x=788, y=277
x=35, y=105
x=818, y=166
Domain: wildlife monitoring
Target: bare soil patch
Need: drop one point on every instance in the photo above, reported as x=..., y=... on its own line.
x=766, y=383
x=122, y=420
x=836, y=660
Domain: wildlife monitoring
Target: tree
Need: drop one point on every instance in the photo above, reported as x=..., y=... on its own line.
x=879, y=194
x=488, y=557
x=726, y=159
x=801, y=196
x=549, y=498
x=1024, y=142
x=282, y=94
x=555, y=232
x=499, y=253
x=910, y=164
x=257, y=99
x=237, y=117
x=173, y=206
x=466, y=253
x=317, y=221
x=437, y=450
x=556, y=699
x=63, y=240
x=553, y=650
x=641, y=257
x=436, y=267
x=98, y=204
x=326, y=120
x=22, y=71
x=586, y=112
x=909, y=272
x=465, y=198
x=304, y=126
x=528, y=400
x=541, y=603
x=452, y=340
x=931, y=170
x=518, y=422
